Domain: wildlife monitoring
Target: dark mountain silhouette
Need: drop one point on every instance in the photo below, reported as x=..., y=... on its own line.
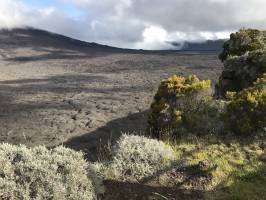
x=31, y=37
x=30, y=44
x=36, y=38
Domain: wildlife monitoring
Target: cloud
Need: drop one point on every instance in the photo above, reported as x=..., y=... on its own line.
x=13, y=13
x=146, y=24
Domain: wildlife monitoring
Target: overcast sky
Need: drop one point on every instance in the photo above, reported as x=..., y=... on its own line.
x=146, y=24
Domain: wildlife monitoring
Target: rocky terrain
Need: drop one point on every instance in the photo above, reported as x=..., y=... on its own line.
x=58, y=90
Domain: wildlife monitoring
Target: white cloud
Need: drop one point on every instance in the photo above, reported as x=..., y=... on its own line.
x=12, y=13
x=146, y=24
x=154, y=38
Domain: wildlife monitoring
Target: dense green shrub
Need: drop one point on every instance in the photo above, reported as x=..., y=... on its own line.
x=244, y=58
x=241, y=72
x=136, y=157
x=246, y=113
x=177, y=97
x=39, y=173
x=243, y=41
x=205, y=117
x=257, y=59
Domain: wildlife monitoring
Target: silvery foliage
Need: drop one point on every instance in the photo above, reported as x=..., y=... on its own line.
x=38, y=173
x=136, y=157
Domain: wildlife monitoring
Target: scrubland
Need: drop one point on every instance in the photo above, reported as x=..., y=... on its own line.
x=199, y=141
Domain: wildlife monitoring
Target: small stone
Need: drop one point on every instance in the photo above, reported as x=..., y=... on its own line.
x=204, y=165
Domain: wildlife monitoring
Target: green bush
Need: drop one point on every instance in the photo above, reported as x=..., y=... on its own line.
x=177, y=97
x=244, y=57
x=39, y=173
x=241, y=42
x=205, y=117
x=246, y=112
x=241, y=72
x=257, y=59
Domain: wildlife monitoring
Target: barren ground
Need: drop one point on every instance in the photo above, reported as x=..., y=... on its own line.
x=52, y=96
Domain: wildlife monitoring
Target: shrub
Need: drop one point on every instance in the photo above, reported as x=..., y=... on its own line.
x=246, y=111
x=39, y=173
x=244, y=58
x=176, y=97
x=241, y=72
x=136, y=157
x=205, y=118
x=95, y=173
x=243, y=41
x=257, y=59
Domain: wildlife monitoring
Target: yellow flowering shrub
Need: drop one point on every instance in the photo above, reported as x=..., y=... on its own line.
x=246, y=113
x=176, y=96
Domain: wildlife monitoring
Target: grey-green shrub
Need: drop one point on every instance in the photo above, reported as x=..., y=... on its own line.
x=243, y=41
x=38, y=173
x=96, y=176
x=136, y=157
x=204, y=117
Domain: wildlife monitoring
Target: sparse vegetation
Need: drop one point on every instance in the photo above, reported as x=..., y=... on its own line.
x=232, y=161
x=214, y=146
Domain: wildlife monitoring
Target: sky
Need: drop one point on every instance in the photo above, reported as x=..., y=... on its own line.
x=138, y=24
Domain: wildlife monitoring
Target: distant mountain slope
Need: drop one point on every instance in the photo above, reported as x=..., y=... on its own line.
x=30, y=37
x=209, y=45
x=37, y=39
